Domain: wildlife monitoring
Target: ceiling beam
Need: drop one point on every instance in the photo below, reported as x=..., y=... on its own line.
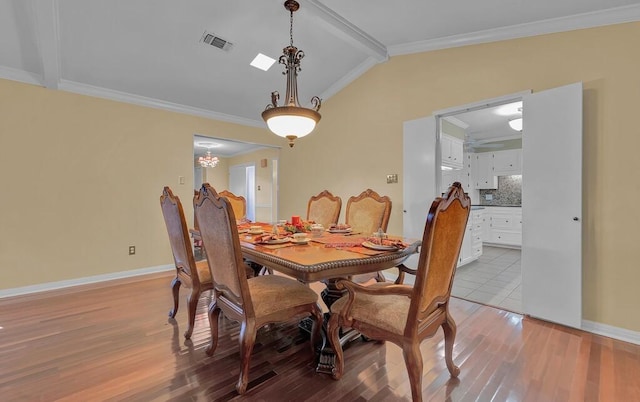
x=48, y=40
x=345, y=30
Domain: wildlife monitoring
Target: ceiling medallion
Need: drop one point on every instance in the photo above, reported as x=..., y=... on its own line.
x=291, y=120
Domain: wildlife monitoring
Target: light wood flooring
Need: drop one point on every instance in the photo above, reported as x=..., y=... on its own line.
x=115, y=343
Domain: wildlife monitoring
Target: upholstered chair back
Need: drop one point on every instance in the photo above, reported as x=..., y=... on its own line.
x=222, y=248
x=238, y=203
x=324, y=208
x=368, y=212
x=441, y=243
x=179, y=237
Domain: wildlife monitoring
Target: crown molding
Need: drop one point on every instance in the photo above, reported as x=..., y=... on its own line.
x=456, y=122
x=26, y=77
x=611, y=16
x=99, y=92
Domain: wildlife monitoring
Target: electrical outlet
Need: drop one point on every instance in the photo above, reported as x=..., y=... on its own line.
x=392, y=178
x=132, y=250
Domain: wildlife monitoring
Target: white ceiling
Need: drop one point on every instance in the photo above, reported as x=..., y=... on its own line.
x=221, y=147
x=149, y=52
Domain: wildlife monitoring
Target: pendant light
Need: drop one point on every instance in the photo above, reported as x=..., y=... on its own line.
x=291, y=120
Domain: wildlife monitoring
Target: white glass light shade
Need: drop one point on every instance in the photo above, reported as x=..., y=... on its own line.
x=288, y=121
x=516, y=124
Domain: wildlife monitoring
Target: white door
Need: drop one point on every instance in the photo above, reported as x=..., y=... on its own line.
x=419, y=176
x=241, y=182
x=552, y=205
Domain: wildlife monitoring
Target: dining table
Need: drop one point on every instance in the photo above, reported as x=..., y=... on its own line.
x=327, y=258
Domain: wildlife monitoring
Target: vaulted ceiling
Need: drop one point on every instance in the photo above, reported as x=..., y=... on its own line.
x=150, y=52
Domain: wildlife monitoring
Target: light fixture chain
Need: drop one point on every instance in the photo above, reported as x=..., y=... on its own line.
x=291, y=27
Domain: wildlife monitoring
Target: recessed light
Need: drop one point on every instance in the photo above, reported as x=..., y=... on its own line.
x=262, y=62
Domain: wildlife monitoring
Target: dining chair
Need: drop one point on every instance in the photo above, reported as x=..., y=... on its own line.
x=407, y=315
x=253, y=302
x=324, y=208
x=195, y=275
x=197, y=242
x=366, y=213
x=238, y=203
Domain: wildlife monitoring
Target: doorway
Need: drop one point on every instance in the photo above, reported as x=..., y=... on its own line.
x=243, y=168
x=489, y=267
x=551, y=259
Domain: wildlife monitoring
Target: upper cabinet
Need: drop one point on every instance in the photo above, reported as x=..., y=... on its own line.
x=490, y=165
x=484, y=176
x=449, y=176
x=452, y=151
x=506, y=163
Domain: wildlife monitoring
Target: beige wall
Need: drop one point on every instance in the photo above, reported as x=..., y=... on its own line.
x=359, y=140
x=81, y=181
x=95, y=187
x=218, y=176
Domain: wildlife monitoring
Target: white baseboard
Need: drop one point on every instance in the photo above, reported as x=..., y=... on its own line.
x=610, y=331
x=44, y=287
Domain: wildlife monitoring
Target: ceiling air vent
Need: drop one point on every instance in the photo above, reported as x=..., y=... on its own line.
x=209, y=38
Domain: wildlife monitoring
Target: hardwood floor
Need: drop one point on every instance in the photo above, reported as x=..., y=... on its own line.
x=116, y=343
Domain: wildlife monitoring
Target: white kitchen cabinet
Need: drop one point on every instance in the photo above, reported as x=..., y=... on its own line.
x=452, y=151
x=467, y=170
x=448, y=178
x=486, y=225
x=507, y=163
x=471, y=248
x=484, y=176
x=505, y=225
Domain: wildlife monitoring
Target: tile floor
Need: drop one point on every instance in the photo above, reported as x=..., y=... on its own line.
x=493, y=279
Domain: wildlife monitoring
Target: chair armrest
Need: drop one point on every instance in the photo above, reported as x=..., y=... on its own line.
x=402, y=270
x=354, y=289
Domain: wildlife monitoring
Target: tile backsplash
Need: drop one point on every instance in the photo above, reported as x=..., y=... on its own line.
x=509, y=192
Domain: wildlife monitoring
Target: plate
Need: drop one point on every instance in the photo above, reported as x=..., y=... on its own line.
x=299, y=241
x=339, y=230
x=255, y=232
x=277, y=241
x=380, y=247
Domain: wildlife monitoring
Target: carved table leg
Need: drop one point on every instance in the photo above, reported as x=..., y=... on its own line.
x=326, y=361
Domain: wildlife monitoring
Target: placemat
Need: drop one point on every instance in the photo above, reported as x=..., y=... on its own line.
x=339, y=240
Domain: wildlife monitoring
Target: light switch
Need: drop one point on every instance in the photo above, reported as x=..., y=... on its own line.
x=392, y=178
x=181, y=179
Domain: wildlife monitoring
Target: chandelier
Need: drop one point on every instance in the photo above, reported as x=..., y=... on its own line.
x=291, y=121
x=208, y=161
